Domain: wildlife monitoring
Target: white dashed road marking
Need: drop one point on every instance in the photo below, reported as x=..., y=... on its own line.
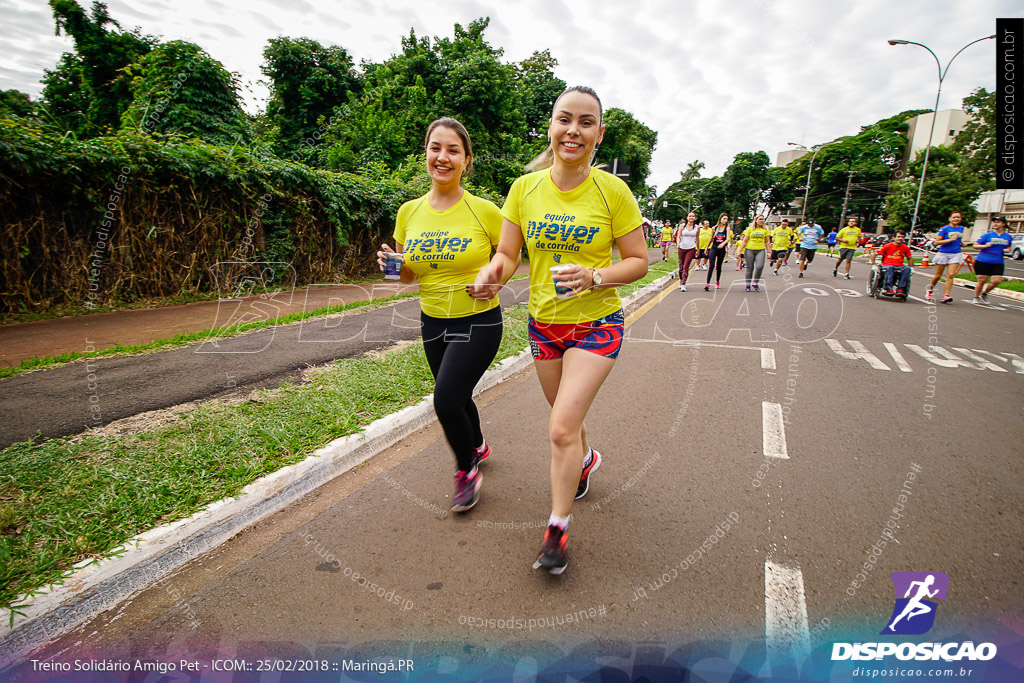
x=785, y=611
x=774, y=438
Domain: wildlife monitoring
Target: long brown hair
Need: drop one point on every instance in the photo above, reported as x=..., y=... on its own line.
x=547, y=158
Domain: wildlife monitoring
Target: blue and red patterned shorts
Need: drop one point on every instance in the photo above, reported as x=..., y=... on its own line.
x=549, y=341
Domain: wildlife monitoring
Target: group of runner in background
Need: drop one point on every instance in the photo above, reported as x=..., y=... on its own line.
x=702, y=247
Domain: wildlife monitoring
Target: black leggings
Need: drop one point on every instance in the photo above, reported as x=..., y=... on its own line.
x=459, y=351
x=715, y=260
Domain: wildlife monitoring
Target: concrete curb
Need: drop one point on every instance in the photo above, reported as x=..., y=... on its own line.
x=96, y=586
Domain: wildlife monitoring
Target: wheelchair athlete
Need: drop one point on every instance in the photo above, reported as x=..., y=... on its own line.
x=893, y=256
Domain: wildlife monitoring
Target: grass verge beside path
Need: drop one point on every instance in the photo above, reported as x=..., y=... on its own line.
x=1013, y=286
x=225, y=332
x=65, y=500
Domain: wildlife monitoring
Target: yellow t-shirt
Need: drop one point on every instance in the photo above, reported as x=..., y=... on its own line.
x=579, y=226
x=446, y=250
x=782, y=238
x=755, y=237
x=704, y=237
x=666, y=233
x=848, y=237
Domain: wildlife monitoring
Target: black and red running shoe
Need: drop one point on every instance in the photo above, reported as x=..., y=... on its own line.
x=584, y=486
x=553, y=556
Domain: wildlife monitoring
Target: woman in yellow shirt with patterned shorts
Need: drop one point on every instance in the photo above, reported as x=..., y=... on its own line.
x=445, y=237
x=569, y=214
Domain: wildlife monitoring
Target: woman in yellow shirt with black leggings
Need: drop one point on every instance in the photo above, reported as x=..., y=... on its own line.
x=445, y=237
x=569, y=215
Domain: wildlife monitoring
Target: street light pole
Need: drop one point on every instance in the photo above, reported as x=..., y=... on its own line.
x=935, y=112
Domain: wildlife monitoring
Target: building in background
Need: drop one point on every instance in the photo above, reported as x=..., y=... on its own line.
x=1006, y=203
x=950, y=123
x=784, y=158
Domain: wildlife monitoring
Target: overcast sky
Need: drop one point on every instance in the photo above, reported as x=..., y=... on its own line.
x=714, y=78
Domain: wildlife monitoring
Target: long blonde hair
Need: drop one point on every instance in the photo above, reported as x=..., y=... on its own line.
x=546, y=159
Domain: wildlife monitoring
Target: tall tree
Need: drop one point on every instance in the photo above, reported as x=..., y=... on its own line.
x=693, y=170
x=946, y=188
x=540, y=89
x=747, y=180
x=102, y=54
x=307, y=82
x=178, y=88
x=631, y=141
x=976, y=143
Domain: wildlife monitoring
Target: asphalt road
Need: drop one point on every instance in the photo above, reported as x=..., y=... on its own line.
x=895, y=416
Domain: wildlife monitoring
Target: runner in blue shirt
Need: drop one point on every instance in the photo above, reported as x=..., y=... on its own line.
x=989, y=263
x=809, y=235
x=831, y=241
x=949, y=253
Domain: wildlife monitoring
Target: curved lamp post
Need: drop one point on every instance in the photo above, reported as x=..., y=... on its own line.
x=935, y=112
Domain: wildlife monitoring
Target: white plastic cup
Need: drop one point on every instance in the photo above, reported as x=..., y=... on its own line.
x=561, y=290
x=392, y=266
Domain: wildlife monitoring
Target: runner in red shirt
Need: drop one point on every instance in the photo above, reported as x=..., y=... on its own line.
x=893, y=255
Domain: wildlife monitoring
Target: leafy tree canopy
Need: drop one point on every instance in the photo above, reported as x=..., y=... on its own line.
x=976, y=143
x=101, y=54
x=946, y=188
x=631, y=141
x=307, y=82
x=178, y=88
x=462, y=77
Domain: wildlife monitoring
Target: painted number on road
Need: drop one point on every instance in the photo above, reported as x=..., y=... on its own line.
x=974, y=359
x=849, y=292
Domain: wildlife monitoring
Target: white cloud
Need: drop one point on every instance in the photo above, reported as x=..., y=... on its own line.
x=714, y=78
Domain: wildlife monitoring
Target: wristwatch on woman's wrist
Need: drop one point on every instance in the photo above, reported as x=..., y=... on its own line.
x=596, y=277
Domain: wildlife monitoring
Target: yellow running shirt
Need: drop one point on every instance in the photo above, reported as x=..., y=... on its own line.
x=666, y=233
x=704, y=237
x=579, y=226
x=446, y=250
x=755, y=237
x=782, y=238
x=848, y=237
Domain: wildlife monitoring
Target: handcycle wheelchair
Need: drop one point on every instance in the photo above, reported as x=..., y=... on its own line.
x=876, y=280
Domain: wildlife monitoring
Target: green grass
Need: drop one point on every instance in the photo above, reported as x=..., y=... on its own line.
x=66, y=500
x=1014, y=286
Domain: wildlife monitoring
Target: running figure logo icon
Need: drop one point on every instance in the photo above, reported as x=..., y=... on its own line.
x=914, y=613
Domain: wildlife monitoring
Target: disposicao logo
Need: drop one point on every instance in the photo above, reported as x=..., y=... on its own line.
x=913, y=614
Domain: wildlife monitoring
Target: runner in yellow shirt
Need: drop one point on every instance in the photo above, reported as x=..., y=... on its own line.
x=667, y=233
x=848, y=238
x=782, y=245
x=704, y=244
x=756, y=240
x=569, y=215
x=445, y=237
